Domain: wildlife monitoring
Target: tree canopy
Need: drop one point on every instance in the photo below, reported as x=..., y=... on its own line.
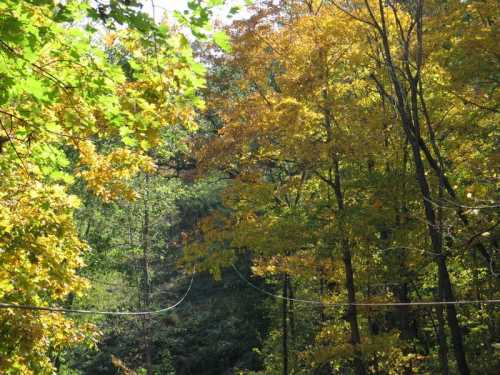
x=329, y=169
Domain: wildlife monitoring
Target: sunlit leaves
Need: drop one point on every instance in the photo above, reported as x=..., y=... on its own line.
x=39, y=252
x=108, y=176
x=222, y=40
x=76, y=107
x=307, y=91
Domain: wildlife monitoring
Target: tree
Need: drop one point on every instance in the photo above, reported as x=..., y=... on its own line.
x=334, y=103
x=63, y=95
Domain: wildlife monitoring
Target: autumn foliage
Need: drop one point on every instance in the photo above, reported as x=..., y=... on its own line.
x=359, y=138
x=346, y=153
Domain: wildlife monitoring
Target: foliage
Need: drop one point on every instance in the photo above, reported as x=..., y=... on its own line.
x=75, y=107
x=336, y=153
x=323, y=125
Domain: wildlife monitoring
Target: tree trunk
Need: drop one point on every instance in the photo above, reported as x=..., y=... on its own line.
x=352, y=314
x=442, y=344
x=408, y=108
x=285, y=324
x=441, y=330
x=291, y=310
x=443, y=274
x=146, y=284
x=322, y=316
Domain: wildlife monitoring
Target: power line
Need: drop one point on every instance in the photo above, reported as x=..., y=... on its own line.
x=364, y=304
x=98, y=312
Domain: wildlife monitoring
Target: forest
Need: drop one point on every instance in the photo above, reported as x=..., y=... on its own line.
x=237, y=187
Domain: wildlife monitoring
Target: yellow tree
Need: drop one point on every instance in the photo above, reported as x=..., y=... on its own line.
x=73, y=108
x=356, y=99
x=303, y=108
x=402, y=45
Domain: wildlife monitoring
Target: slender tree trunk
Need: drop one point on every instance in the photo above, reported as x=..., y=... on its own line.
x=442, y=344
x=146, y=284
x=441, y=330
x=352, y=314
x=291, y=310
x=285, y=324
x=443, y=274
x=492, y=321
x=322, y=316
x=406, y=315
x=374, y=331
x=408, y=108
x=408, y=332
x=324, y=368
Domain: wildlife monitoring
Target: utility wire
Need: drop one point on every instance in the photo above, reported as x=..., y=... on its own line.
x=98, y=312
x=364, y=304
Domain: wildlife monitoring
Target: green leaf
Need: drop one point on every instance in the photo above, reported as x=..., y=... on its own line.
x=198, y=68
x=234, y=10
x=35, y=87
x=128, y=141
x=222, y=40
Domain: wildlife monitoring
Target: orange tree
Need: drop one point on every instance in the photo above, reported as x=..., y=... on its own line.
x=331, y=113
